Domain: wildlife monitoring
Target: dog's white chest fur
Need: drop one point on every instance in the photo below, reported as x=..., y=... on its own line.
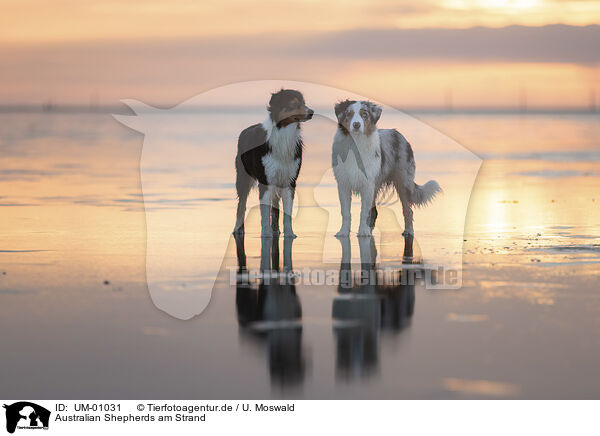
x=281, y=165
x=356, y=172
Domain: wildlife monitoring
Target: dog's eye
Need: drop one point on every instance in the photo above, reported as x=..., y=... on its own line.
x=363, y=114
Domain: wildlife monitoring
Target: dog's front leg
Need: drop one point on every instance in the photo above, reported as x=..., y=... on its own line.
x=276, y=196
x=265, y=194
x=345, y=204
x=367, y=197
x=288, y=205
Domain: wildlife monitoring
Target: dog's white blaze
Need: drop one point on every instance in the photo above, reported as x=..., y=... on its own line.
x=356, y=107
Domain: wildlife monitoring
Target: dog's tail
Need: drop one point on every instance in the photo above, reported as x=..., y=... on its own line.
x=423, y=195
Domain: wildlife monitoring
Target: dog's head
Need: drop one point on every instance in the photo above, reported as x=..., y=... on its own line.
x=287, y=106
x=357, y=117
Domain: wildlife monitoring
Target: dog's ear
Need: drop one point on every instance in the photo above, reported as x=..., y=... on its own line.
x=275, y=99
x=375, y=111
x=341, y=107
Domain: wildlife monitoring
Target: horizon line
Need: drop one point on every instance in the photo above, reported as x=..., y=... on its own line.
x=69, y=108
x=153, y=38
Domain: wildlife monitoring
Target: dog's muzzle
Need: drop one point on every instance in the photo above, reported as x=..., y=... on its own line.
x=309, y=114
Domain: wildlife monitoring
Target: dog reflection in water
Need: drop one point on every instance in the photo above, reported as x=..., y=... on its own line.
x=270, y=313
x=364, y=308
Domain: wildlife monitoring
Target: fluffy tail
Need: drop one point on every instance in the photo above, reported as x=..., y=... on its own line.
x=423, y=195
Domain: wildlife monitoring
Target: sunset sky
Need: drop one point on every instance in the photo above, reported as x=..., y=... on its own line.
x=407, y=53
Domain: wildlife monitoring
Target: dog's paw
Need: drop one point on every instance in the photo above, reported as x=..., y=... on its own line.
x=343, y=233
x=266, y=233
x=288, y=231
x=364, y=231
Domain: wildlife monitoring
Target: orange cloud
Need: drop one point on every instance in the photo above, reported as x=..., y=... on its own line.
x=67, y=20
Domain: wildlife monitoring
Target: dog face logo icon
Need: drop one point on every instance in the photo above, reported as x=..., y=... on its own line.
x=26, y=415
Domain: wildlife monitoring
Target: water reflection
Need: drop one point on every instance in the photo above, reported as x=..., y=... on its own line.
x=270, y=314
x=367, y=304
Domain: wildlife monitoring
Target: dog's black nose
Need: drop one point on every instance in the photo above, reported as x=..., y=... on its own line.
x=356, y=125
x=309, y=113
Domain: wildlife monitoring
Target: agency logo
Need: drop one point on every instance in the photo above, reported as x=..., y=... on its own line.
x=24, y=415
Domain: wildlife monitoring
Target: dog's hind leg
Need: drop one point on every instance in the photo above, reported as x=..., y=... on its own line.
x=265, y=194
x=405, y=195
x=243, y=184
x=240, y=252
x=405, y=198
x=372, y=216
x=408, y=247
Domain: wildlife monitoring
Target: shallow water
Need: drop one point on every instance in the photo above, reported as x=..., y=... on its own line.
x=78, y=321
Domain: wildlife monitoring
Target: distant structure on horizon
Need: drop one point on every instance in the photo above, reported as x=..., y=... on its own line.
x=523, y=99
x=49, y=106
x=448, y=100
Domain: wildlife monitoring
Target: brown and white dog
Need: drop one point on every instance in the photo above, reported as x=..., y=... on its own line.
x=271, y=154
x=366, y=160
